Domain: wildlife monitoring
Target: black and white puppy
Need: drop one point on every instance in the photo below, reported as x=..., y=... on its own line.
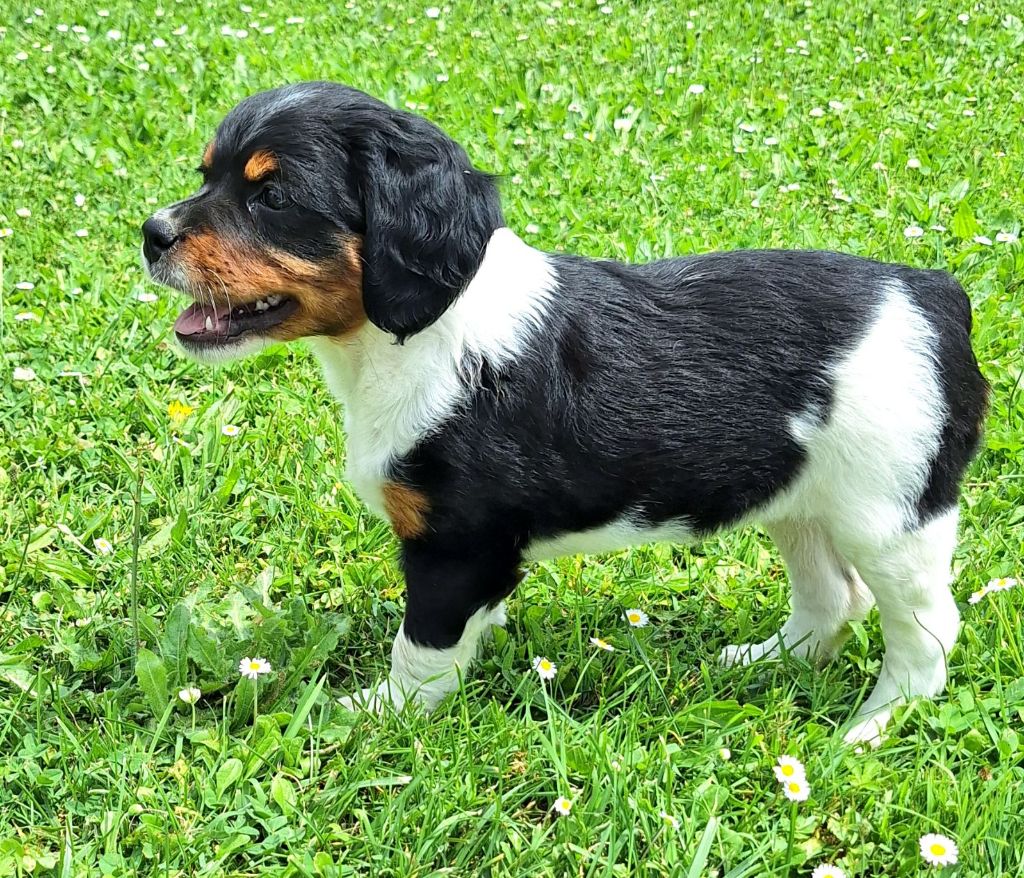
x=503, y=404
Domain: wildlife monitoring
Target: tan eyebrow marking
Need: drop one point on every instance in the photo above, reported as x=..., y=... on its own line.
x=261, y=164
x=208, y=155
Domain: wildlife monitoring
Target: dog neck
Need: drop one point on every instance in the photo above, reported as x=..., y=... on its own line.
x=396, y=395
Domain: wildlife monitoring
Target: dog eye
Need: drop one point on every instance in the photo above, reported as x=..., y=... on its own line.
x=272, y=197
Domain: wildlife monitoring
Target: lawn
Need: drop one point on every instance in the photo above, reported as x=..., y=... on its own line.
x=145, y=548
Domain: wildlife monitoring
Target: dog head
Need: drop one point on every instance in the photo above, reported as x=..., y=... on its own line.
x=320, y=208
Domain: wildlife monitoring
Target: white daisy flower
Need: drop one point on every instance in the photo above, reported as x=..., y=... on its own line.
x=938, y=850
x=789, y=768
x=24, y=373
x=695, y=89
x=1001, y=584
x=725, y=754
x=6, y=233
x=81, y=233
x=963, y=18
x=230, y=430
x=827, y=870
x=146, y=296
x=432, y=12
x=622, y=124
x=913, y=232
x=1006, y=237
x=636, y=618
x=113, y=34
x=294, y=19
x=979, y=595
x=190, y=695
x=24, y=285
x=817, y=112
x=913, y=163
x=878, y=166
x=545, y=668
x=253, y=667
x=562, y=806
x=103, y=546
x=25, y=316
x=532, y=228
x=838, y=106
x=79, y=200
x=602, y=644
x=984, y=240
x=23, y=212
x=796, y=790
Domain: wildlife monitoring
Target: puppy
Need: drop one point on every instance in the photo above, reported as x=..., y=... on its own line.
x=503, y=404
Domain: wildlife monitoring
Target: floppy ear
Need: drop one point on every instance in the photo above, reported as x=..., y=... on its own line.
x=429, y=215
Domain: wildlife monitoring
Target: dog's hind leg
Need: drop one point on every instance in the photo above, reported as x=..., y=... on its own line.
x=827, y=593
x=910, y=579
x=453, y=598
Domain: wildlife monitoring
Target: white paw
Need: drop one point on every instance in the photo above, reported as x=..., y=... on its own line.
x=868, y=730
x=373, y=700
x=740, y=654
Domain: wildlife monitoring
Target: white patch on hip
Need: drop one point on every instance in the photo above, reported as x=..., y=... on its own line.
x=869, y=460
x=397, y=395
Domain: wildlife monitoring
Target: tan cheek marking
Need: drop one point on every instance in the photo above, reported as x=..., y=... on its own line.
x=208, y=154
x=261, y=163
x=330, y=294
x=407, y=510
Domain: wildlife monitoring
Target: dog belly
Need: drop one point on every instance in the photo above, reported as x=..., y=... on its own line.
x=621, y=533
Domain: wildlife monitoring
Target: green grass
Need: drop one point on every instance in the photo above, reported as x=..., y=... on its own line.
x=253, y=545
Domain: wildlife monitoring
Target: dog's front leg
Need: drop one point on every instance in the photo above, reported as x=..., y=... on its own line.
x=453, y=597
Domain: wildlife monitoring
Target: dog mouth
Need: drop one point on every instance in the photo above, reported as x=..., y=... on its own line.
x=216, y=324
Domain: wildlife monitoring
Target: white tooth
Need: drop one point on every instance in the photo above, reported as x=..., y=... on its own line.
x=274, y=300
x=261, y=305
x=209, y=323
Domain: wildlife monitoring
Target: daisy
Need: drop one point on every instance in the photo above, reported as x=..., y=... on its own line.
x=432, y=12
x=938, y=850
x=24, y=373
x=146, y=296
x=6, y=233
x=725, y=754
x=253, y=668
x=24, y=285
x=977, y=596
x=696, y=89
x=796, y=790
x=668, y=819
x=23, y=212
x=545, y=668
x=190, y=695
x=532, y=228
x=103, y=545
x=913, y=163
x=230, y=430
x=827, y=870
x=1001, y=584
x=817, y=112
x=602, y=644
x=79, y=200
x=984, y=240
x=562, y=806
x=913, y=232
x=1006, y=237
x=789, y=768
x=636, y=618
x=81, y=233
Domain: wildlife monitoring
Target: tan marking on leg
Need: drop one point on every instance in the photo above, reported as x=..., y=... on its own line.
x=407, y=510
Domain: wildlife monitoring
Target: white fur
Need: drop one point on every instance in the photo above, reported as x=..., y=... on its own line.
x=395, y=395
x=618, y=534
x=869, y=461
x=424, y=674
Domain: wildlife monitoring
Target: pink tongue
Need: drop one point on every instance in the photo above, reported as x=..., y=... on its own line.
x=192, y=320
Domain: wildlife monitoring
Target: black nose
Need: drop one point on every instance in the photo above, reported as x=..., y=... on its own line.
x=158, y=237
